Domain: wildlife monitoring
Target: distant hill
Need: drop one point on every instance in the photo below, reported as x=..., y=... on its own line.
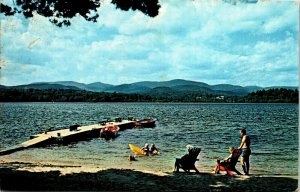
x=128, y=88
x=97, y=87
x=239, y=90
x=193, y=88
x=171, y=83
x=174, y=88
x=45, y=86
x=253, y=88
x=70, y=83
x=166, y=92
x=204, y=90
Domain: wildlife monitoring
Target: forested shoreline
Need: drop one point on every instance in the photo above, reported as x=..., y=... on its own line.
x=277, y=95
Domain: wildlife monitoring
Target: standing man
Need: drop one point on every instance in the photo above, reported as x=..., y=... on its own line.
x=246, y=151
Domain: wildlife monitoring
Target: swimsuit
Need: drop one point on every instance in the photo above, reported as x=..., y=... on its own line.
x=246, y=152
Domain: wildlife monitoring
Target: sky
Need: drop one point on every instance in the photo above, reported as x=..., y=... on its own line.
x=213, y=41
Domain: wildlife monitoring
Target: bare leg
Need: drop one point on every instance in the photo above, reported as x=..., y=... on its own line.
x=196, y=170
x=176, y=166
x=247, y=165
x=217, y=169
x=235, y=170
x=244, y=165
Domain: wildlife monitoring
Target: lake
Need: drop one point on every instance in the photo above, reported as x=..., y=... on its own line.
x=273, y=129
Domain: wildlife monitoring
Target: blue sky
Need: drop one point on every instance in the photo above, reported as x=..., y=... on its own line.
x=207, y=41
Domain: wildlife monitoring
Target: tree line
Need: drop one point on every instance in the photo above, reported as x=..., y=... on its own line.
x=281, y=95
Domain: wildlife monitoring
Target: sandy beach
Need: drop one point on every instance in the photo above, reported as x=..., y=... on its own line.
x=33, y=176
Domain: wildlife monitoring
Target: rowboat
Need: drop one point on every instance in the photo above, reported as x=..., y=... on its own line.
x=109, y=131
x=149, y=122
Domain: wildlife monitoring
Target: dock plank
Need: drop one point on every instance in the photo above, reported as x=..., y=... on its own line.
x=36, y=140
x=63, y=133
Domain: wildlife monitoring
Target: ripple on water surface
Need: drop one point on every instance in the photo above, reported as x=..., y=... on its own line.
x=213, y=127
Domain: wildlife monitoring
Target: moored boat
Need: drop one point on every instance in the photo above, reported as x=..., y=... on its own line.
x=149, y=122
x=109, y=131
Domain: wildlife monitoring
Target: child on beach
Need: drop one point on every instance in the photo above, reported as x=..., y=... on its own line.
x=131, y=158
x=225, y=162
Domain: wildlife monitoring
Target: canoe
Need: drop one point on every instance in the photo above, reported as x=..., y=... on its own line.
x=136, y=149
x=149, y=123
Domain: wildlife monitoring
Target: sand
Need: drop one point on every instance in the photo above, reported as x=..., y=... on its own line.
x=47, y=176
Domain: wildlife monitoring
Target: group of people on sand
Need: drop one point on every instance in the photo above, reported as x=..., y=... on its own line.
x=243, y=150
x=187, y=161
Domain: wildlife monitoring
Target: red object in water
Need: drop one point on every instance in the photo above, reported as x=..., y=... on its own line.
x=109, y=131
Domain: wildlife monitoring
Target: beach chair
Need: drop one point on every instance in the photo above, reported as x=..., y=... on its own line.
x=230, y=167
x=187, y=162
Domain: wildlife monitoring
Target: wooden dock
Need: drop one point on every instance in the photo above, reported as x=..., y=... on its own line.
x=74, y=133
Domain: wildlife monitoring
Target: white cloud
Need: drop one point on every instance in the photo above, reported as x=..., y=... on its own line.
x=208, y=41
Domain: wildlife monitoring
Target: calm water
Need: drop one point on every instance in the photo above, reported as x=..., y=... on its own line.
x=213, y=127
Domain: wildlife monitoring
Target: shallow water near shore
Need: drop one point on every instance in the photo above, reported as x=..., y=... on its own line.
x=273, y=129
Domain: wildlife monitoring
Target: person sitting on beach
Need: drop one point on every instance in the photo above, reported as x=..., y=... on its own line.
x=153, y=150
x=131, y=158
x=184, y=161
x=223, y=163
x=146, y=149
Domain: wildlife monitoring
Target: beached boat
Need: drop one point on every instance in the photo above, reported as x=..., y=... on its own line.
x=109, y=131
x=150, y=122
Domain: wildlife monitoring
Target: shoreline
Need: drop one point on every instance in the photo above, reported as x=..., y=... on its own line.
x=71, y=167
x=63, y=176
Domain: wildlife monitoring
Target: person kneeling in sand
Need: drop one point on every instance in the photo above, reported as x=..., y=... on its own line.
x=223, y=163
x=131, y=158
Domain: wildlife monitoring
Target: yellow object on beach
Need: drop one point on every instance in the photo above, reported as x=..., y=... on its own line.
x=136, y=149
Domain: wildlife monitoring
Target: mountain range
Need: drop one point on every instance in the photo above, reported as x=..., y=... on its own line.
x=157, y=88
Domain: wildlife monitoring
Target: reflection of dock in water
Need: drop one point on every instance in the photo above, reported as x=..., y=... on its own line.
x=74, y=133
